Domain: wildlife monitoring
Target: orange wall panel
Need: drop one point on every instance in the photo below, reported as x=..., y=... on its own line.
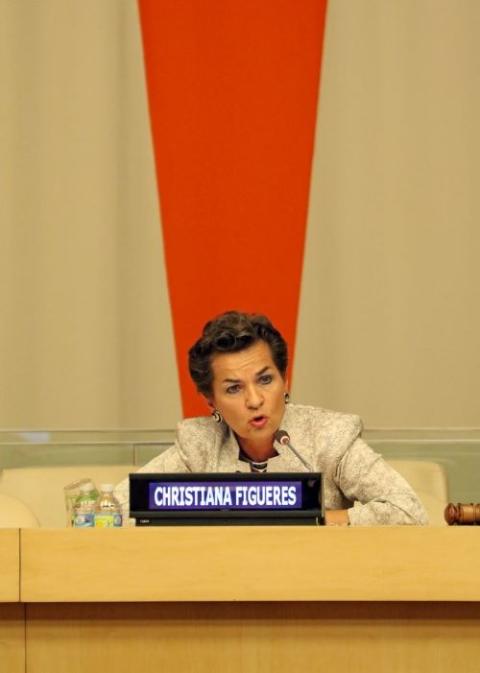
x=232, y=92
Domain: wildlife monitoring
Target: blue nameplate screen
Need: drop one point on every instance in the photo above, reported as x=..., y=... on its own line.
x=226, y=499
x=237, y=495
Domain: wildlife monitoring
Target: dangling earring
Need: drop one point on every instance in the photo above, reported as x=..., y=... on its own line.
x=217, y=416
x=286, y=397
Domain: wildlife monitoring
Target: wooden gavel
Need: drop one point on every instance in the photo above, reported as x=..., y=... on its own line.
x=462, y=514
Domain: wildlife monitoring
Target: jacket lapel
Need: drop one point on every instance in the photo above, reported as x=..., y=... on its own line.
x=286, y=461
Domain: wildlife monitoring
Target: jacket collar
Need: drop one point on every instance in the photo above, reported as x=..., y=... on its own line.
x=229, y=454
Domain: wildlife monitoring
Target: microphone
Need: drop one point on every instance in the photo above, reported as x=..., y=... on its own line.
x=283, y=438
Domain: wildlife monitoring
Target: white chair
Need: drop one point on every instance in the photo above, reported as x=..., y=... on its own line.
x=15, y=514
x=41, y=488
x=429, y=481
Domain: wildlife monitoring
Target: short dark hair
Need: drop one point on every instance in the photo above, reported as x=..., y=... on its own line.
x=228, y=333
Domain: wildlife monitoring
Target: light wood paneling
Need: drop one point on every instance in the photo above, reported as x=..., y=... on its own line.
x=9, y=565
x=78, y=348
x=250, y=564
x=280, y=637
x=12, y=638
x=387, y=326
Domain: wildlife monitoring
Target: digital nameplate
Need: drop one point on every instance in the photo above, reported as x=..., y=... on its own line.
x=234, y=495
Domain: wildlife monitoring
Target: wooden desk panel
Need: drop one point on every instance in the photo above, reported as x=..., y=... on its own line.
x=253, y=637
x=12, y=614
x=196, y=600
x=12, y=638
x=250, y=564
x=9, y=565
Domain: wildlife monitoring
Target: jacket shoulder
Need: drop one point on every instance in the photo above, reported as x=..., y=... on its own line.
x=198, y=429
x=338, y=426
x=198, y=440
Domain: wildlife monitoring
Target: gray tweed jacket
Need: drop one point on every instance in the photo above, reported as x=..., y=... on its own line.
x=355, y=477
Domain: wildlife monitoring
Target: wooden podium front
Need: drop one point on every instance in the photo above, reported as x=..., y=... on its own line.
x=251, y=599
x=12, y=612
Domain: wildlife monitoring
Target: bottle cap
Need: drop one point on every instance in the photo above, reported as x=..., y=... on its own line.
x=106, y=488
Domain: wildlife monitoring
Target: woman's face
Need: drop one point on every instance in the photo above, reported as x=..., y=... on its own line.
x=249, y=391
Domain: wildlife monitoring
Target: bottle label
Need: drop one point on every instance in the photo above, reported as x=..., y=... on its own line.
x=108, y=520
x=85, y=520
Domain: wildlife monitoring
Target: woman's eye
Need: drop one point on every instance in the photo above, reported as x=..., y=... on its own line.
x=266, y=378
x=231, y=390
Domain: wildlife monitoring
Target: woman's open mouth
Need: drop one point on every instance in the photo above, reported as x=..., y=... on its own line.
x=258, y=422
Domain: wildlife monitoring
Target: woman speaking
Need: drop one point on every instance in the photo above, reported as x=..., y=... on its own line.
x=239, y=365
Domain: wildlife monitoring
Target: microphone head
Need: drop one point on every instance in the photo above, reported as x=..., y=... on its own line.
x=282, y=437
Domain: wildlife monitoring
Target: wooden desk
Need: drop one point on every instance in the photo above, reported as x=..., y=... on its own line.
x=9, y=565
x=12, y=613
x=241, y=563
x=252, y=599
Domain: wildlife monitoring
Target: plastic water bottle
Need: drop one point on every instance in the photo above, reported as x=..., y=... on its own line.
x=72, y=491
x=108, y=511
x=84, y=509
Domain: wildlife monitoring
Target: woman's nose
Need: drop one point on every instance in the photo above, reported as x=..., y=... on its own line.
x=253, y=398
